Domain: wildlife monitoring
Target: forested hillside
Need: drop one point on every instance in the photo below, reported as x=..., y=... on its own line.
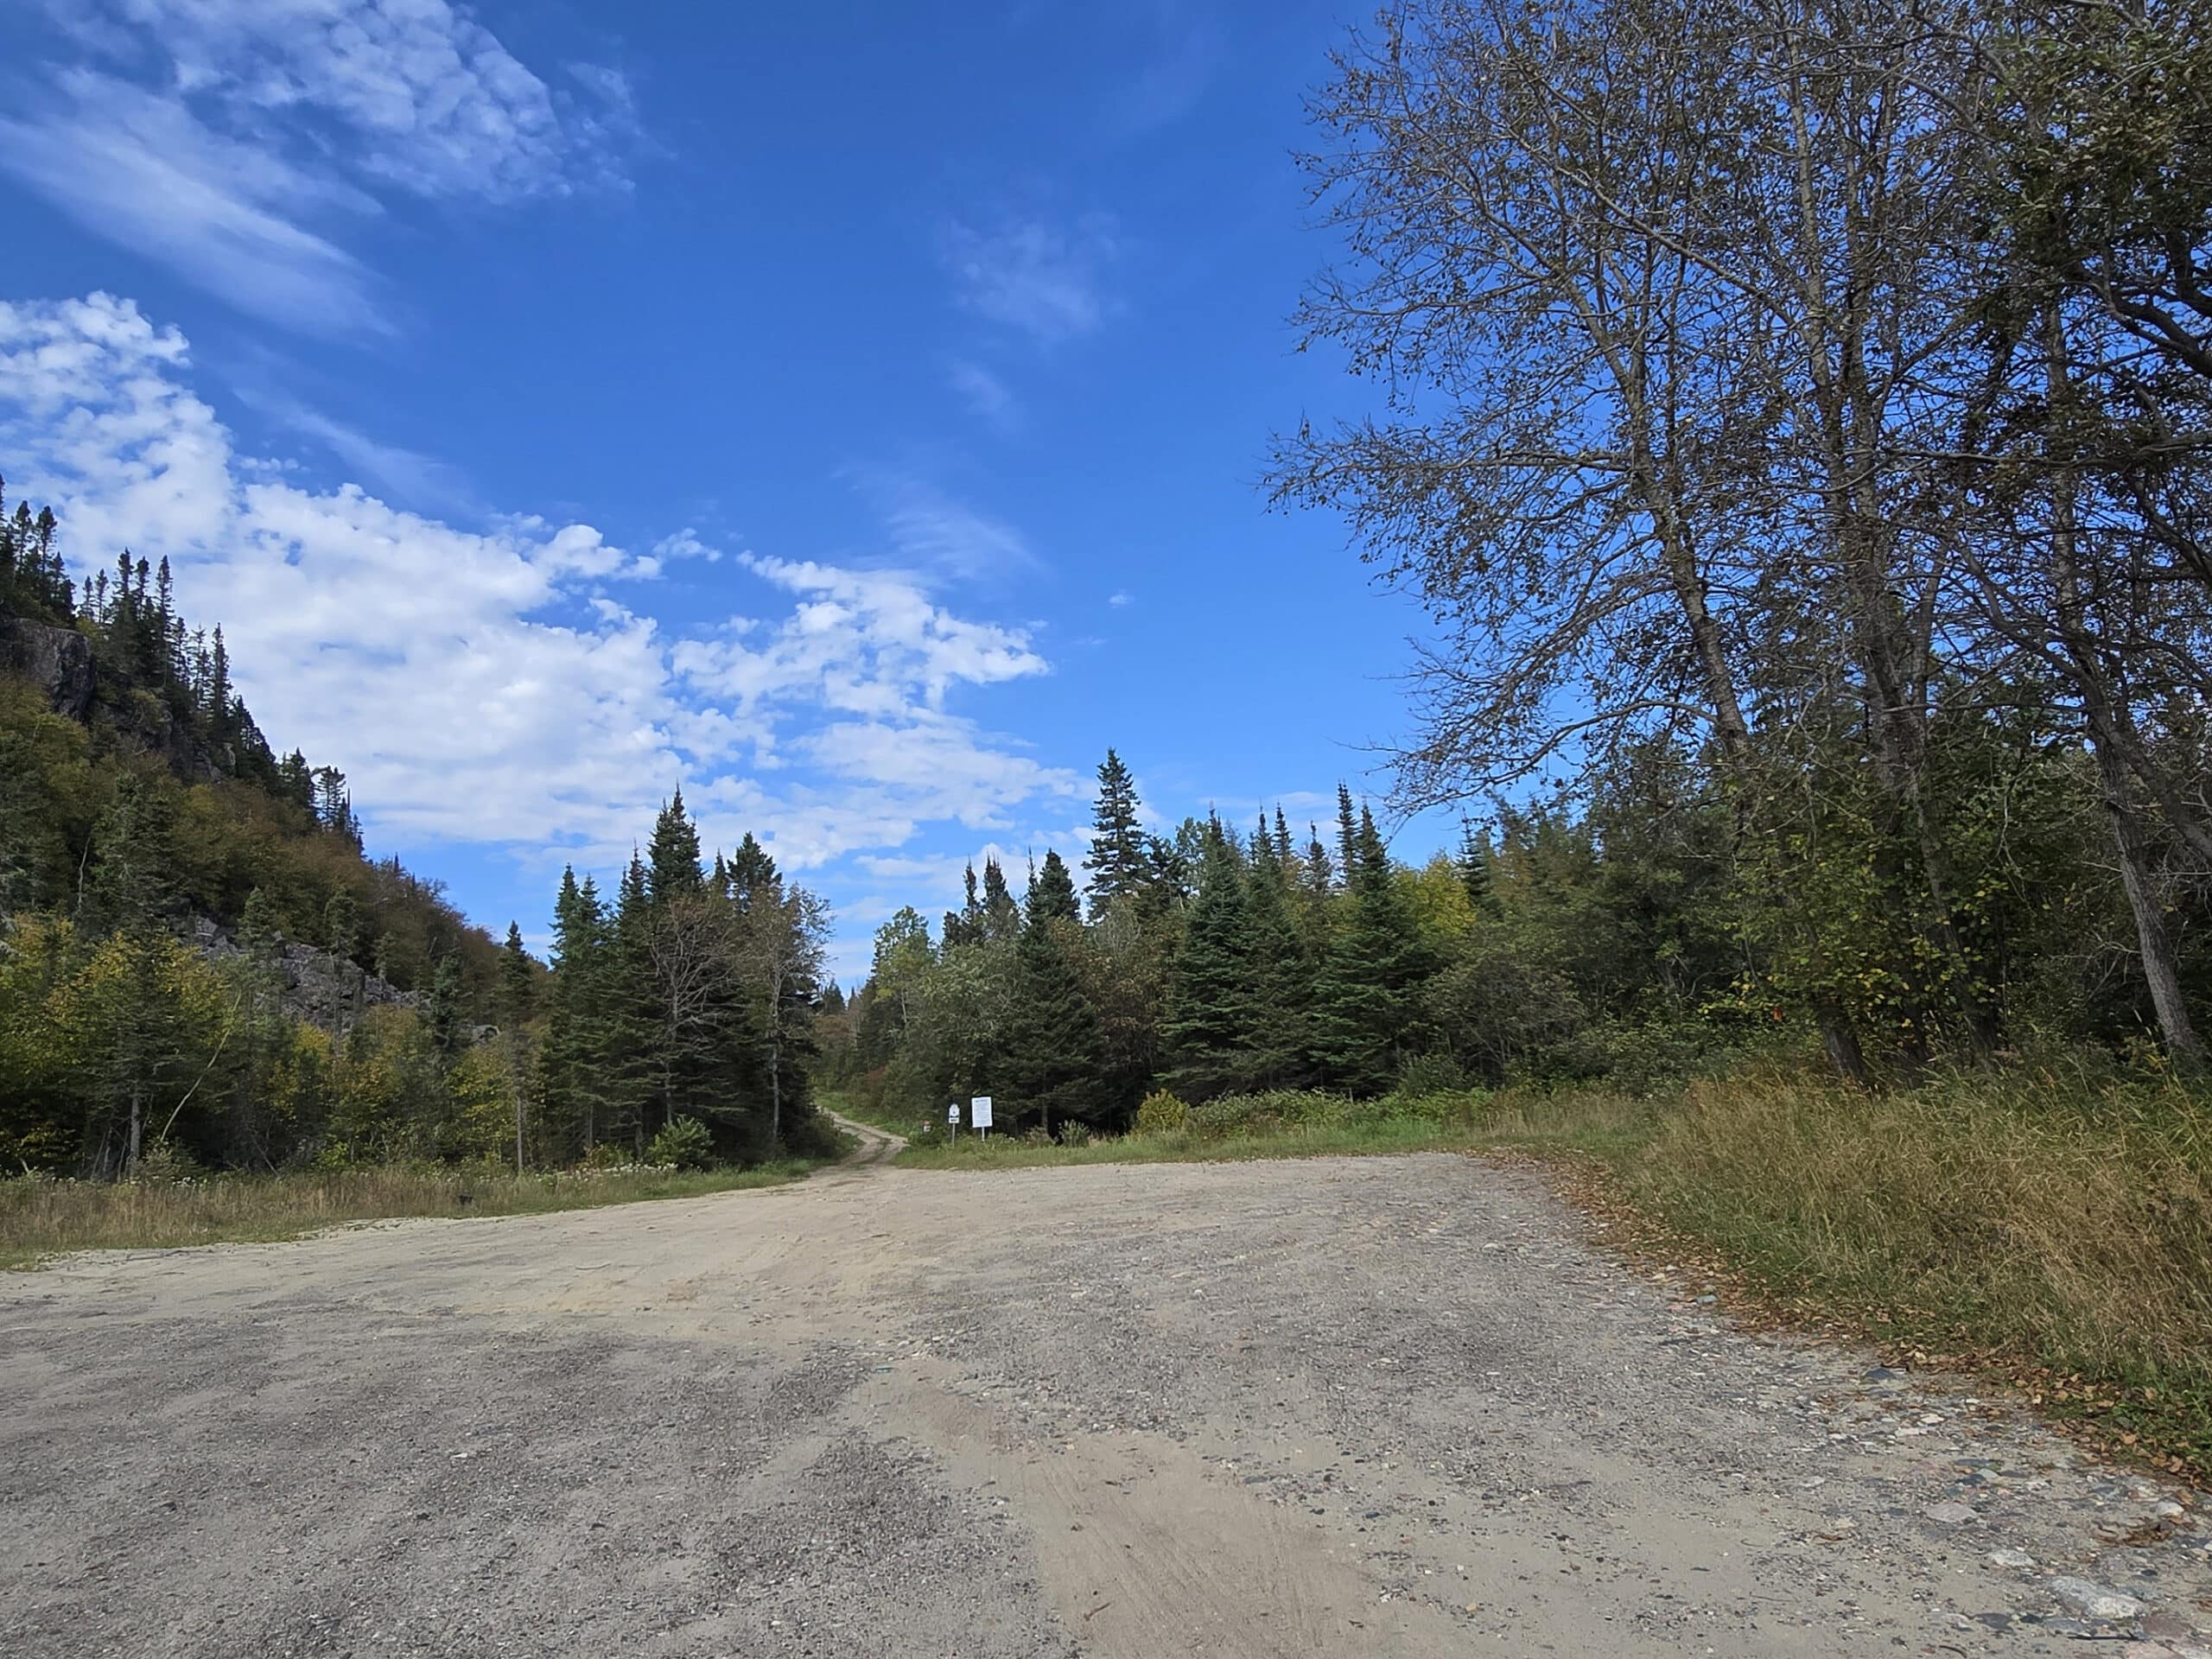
x=198, y=963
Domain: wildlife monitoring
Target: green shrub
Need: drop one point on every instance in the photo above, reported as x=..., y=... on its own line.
x=1431, y=1074
x=1161, y=1113
x=166, y=1163
x=685, y=1144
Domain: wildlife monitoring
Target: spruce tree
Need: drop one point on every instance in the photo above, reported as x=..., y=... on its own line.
x=1281, y=991
x=576, y=1059
x=515, y=999
x=1210, y=1006
x=1051, y=893
x=1347, y=835
x=1474, y=862
x=447, y=1035
x=515, y=988
x=630, y=1011
x=1367, y=1000
x=674, y=853
x=751, y=871
x=1119, y=867
x=1002, y=913
x=133, y=887
x=1054, y=1056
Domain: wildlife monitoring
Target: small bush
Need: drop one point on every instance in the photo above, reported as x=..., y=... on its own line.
x=165, y=1164
x=1431, y=1074
x=685, y=1144
x=1161, y=1113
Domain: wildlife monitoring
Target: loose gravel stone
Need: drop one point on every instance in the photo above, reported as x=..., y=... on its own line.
x=1336, y=1409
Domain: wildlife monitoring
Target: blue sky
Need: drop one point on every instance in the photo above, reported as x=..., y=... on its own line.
x=851, y=412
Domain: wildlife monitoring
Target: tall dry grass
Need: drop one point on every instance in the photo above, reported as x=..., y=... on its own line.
x=2052, y=1219
x=40, y=1217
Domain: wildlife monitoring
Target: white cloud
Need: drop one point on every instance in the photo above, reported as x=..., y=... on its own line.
x=1121, y=601
x=685, y=544
x=482, y=684
x=1031, y=276
x=237, y=140
x=431, y=99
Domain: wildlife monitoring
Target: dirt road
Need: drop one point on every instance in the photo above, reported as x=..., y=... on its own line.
x=1340, y=1407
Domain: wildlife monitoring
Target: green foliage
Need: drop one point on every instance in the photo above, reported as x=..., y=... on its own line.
x=134, y=841
x=685, y=1143
x=1161, y=1113
x=1119, y=867
x=1054, y=1056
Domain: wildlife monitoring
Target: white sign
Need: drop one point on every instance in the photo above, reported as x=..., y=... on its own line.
x=979, y=1111
x=952, y=1113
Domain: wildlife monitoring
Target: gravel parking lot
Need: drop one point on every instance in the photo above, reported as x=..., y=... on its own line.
x=1346, y=1407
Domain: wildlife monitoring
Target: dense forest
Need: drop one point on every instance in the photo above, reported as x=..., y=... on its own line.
x=1793, y=421
x=199, y=966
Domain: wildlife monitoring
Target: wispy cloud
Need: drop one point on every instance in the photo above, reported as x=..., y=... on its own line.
x=934, y=532
x=1120, y=601
x=990, y=398
x=240, y=143
x=1184, y=52
x=1040, y=278
x=139, y=169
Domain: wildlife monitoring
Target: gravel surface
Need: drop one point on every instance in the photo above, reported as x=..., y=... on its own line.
x=1333, y=1408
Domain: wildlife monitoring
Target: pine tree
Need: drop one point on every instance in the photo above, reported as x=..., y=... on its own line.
x=1119, y=867
x=1210, y=1006
x=1347, y=835
x=674, y=853
x=1051, y=893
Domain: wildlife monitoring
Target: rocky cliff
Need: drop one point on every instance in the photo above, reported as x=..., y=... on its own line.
x=59, y=661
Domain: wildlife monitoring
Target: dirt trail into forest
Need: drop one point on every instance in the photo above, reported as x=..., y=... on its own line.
x=1338, y=1407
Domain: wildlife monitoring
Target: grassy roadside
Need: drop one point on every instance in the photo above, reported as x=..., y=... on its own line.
x=41, y=1218
x=2054, y=1229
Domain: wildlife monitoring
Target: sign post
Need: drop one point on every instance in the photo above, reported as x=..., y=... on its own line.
x=979, y=1115
x=952, y=1120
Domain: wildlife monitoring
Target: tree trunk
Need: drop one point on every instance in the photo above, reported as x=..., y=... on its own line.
x=2161, y=971
x=1841, y=1044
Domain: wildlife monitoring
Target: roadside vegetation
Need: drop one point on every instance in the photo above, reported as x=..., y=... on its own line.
x=44, y=1216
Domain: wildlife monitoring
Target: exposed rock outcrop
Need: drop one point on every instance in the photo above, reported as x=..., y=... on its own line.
x=59, y=661
x=330, y=995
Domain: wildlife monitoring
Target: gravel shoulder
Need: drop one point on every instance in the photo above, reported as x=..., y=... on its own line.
x=1387, y=1406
